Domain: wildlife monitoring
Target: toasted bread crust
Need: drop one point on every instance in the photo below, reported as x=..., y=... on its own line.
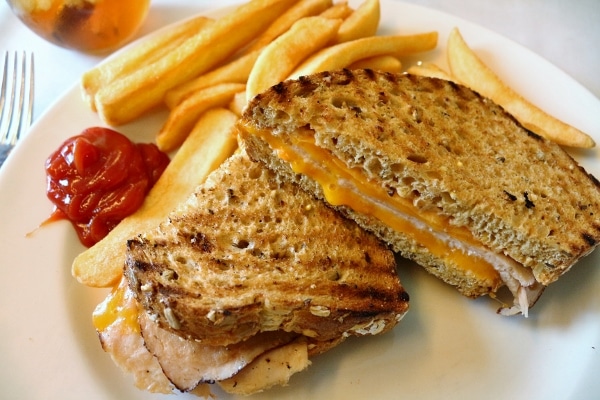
x=447, y=148
x=250, y=252
x=403, y=244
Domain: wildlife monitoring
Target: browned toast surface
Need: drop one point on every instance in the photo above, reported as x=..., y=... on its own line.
x=445, y=148
x=250, y=252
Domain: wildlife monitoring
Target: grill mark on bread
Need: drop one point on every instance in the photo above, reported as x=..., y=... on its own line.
x=589, y=239
x=528, y=202
x=534, y=135
x=199, y=241
x=510, y=196
x=264, y=254
x=375, y=294
x=455, y=128
x=370, y=73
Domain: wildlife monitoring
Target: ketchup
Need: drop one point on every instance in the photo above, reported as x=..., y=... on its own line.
x=98, y=178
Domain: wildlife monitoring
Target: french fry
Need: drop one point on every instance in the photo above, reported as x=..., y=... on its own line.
x=130, y=97
x=238, y=103
x=189, y=75
x=301, y=9
x=347, y=53
x=471, y=71
x=147, y=52
x=363, y=22
x=182, y=118
x=237, y=71
x=285, y=53
x=431, y=70
x=339, y=10
x=385, y=63
x=210, y=143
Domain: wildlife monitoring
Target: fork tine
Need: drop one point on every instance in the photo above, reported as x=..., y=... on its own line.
x=23, y=123
x=3, y=88
x=29, y=115
x=3, y=96
x=19, y=101
x=11, y=100
x=14, y=117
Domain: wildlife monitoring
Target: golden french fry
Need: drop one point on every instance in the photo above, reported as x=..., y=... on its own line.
x=210, y=143
x=285, y=53
x=301, y=9
x=182, y=118
x=237, y=71
x=471, y=71
x=385, y=63
x=363, y=22
x=238, y=103
x=130, y=97
x=339, y=10
x=431, y=70
x=344, y=54
x=144, y=53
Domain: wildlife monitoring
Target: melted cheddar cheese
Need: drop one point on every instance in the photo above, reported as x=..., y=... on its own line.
x=342, y=186
x=117, y=307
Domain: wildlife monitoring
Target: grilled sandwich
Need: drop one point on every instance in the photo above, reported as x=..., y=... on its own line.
x=443, y=175
x=250, y=269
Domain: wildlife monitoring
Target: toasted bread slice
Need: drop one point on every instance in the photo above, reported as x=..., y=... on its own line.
x=393, y=151
x=249, y=252
x=162, y=362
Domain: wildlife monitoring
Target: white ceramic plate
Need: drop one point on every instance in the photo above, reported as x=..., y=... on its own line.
x=446, y=347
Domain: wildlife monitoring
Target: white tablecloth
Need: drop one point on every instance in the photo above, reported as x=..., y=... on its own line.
x=567, y=33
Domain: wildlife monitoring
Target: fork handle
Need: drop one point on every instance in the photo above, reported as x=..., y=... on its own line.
x=4, y=150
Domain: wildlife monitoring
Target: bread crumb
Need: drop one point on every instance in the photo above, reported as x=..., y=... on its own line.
x=320, y=311
x=171, y=318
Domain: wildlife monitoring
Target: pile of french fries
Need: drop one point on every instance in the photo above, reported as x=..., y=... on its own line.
x=468, y=69
x=205, y=70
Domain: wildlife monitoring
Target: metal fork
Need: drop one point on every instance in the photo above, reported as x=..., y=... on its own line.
x=16, y=108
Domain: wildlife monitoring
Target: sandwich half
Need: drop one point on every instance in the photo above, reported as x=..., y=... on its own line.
x=443, y=175
x=250, y=270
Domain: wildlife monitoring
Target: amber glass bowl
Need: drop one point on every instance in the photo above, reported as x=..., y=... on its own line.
x=86, y=25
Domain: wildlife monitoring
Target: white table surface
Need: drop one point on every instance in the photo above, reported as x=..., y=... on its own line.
x=565, y=32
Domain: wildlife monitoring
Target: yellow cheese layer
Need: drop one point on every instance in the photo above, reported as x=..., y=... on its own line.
x=116, y=308
x=332, y=172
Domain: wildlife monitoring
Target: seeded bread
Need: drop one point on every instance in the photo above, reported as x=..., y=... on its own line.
x=250, y=252
x=445, y=148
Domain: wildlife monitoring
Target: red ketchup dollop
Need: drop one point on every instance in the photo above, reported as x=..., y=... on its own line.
x=98, y=178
